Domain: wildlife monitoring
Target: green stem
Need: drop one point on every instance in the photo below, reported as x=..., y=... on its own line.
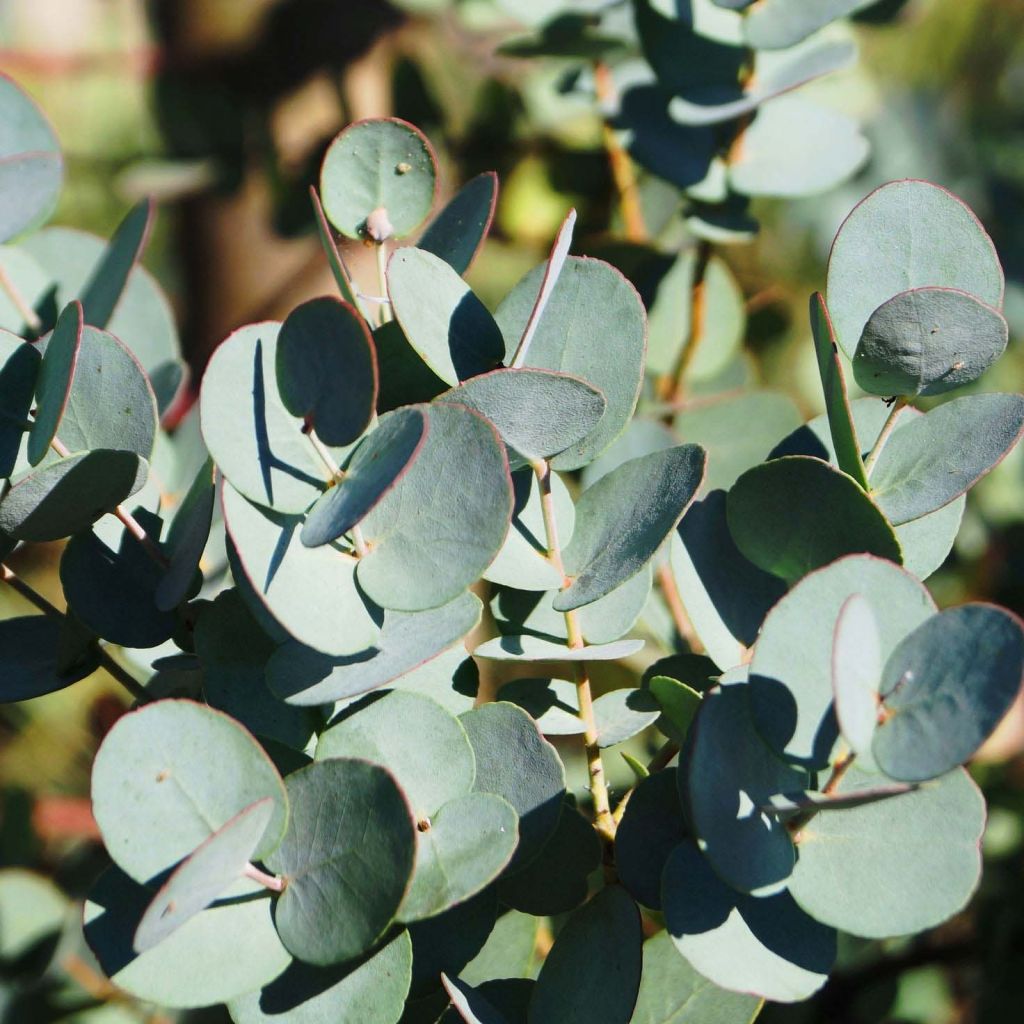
x=604, y=820
x=887, y=429
x=17, y=584
x=337, y=474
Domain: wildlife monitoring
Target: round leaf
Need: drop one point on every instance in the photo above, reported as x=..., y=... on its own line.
x=514, y=761
x=377, y=465
x=538, y=413
x=257, y=444
x=19, y=371
x=593, y=970
x=169, y=775
x=793, y=515
x=791, y=671
x=904, y=235
x=223, y=952
x=779, y=24
x=729, y=775
x=856, y=673
x=344, y=883
x=460, y=850
x=32, y=662
x=892, y=867
x=311, y=592
x=945, y=688
x=765, y=946
x=327, y=369
x=408, y=640
x=621, y=714
x=551, y=703
x=199, y=879
x=31, y=167
x=378, y=179
x=622, y=520
x=672, y=992
x=591, y=301
x=533, y=648
x=438, y=768
x=371, y=991
x=927, y=341
x=447, y=325
x=435, y=533
x=63, y=497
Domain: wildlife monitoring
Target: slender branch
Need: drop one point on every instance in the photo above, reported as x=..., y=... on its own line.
x=17, y=584
x=672, y=387
x=674, y=600
x=25, y=310
x=334, y=472
x=272, y=882
x=382, y=277
x=662, y=758
x=604, y=823
x=887, y=429
x=619, y=160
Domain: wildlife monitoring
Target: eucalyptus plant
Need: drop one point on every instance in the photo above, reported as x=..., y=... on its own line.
x=312, y=812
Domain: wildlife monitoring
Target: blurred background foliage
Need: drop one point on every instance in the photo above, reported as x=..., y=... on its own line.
x=223, y=108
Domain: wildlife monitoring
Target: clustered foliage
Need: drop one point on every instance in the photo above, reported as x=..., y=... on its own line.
x=311, y=815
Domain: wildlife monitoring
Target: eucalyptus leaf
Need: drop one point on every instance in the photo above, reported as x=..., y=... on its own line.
x=730, y=774
x=343, y=884
x=156, y=793
x=927, y=341
x=514, y=761
x=303, y=676
x=18, y=375
x=222, y=953
x=533, y=648
x=622, y=714
x=591, y=301
x=777, y=24
x=622, y=520
x=538, y=413
x=795, y=514
x=370, y=990
x=326, y=369
x=936, y=828
x=109, y=278
x=459, y=231
x=311, y=592
x=555, y=881
x=791, y=671
x=53, y=385
x=436, y=532
x=726, y=596
x=945, y=688
x=593, y=969
x=200, y=878
x=672, y=992
x=66, y=496
x=904, y=235
x=447, y=325
x=651, y=828
x=31, y=166
x=378, y=165
x=459, y=851
x=762, y=946
x=937, y=457
x=33, y=664
x=857, y=673
x=551, y=703
x=378, y=464
x=431, y=773
x=187, y=539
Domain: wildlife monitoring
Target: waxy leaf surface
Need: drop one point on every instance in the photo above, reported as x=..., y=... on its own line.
x=459, y=230
x=53, y=385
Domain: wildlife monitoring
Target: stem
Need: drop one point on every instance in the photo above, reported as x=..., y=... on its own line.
x=619, y=161
x=839, y=769
x=17, y=584
x=887, y=429
x=672, y=387
x=27, y=313
x=662, y=758
x=674, y=600
x=382, y=277
x=333, y=469
x=272, y=882
x=604, y=823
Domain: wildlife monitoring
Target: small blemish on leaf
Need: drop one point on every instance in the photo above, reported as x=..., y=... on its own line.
x=163, y=775
x=423, y=825
x=403, y=168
